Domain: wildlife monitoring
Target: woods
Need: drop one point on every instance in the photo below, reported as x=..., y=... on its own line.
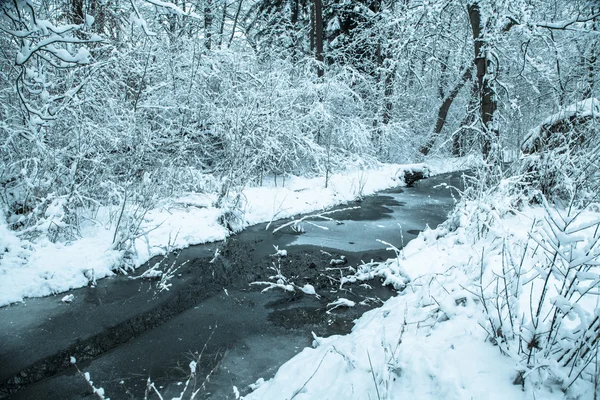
x=132, y=129
x=100, y=98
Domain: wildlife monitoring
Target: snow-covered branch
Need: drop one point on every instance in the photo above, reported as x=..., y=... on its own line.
x=566, y=23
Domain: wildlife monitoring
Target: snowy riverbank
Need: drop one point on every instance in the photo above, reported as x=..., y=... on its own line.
x=438, y=339
x=38, y=266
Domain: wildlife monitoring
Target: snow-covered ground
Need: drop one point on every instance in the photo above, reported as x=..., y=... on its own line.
x=434, y=340
x=34, y=267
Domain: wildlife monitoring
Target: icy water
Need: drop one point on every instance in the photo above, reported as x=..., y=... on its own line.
x=123, y=331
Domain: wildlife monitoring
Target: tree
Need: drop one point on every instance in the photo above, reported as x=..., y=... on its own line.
x=317, y=25
x=483, y=63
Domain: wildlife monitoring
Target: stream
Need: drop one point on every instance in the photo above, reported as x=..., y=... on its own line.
x=123, y=330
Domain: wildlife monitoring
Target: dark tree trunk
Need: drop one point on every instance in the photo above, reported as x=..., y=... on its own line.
x=461, y=137
x=294, y=10
x=590, y=62
x=319, y=36
x=487, y=99
x=77, y=16
x=222, y=26
x=235, y=21
x=388, y=92
x=445, y=108
x=312, y=26
x=208, y=18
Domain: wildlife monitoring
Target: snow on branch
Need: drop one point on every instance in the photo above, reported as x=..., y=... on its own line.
x=280, y=281
x=322, y=215
x=559, y=25
x=175, y=9
x=41, y=44
x=565, y=24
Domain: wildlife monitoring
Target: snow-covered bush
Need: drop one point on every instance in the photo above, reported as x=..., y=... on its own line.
x=539, y=291
x=541, y=300
x=561, y=154
x=488, y=195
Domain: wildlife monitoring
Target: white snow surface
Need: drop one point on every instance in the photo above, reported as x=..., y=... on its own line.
x=39, y=267
x=585, y=108
x=428, y=342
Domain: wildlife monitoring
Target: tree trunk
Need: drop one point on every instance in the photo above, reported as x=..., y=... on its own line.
x=77, y=16
x=460, y=138
x=319, y=36
x=590, y=61
x=294, y=11
x=235, y=21
x=487, y=99
x=312, y=26
x=222, y=26
x=208, y=24
x=388, y=92
x=445, y=108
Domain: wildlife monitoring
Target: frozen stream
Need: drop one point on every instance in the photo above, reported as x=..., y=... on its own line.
x=123, y=331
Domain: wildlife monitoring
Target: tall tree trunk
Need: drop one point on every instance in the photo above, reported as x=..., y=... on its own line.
x=208, y=24
x=460, y=138
x=235, y=21
x=312, y=26
x=77, y=16
x=319, y=36
x=487, y=99
x=222, y=26
x=590, y=60
x=445, y=108
x=388, y=92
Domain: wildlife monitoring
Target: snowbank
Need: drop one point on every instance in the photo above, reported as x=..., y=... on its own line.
x=34, y=268
x=432, y=341
x=540, y=134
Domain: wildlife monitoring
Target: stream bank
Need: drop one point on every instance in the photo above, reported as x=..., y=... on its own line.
x=122, y=331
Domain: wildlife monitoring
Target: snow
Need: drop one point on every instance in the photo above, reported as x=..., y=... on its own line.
x=41, y=267
x=309, y=289
x=68, y=298
x=341, y=302
x=280, y=252
x=429, y=342
x=586, y=108
x=450, y=360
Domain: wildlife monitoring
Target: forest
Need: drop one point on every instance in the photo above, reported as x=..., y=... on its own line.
x=110, y=100
x=111, y=108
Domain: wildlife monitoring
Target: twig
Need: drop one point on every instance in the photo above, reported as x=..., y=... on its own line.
x=313, y=374
x=373, y=374
x=320, y=215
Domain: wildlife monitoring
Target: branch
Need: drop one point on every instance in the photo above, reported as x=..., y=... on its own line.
x=174, y=8
x=319, y=215
x=567, y=23
x=560, y=25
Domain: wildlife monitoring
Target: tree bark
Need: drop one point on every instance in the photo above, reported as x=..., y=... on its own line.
x=222, y=26
x=235, y=21
x=208, y=24
x=312, y=26
x=445, y=108
x=460, y=138
x=590, y=61
x=487, y=99
x=319, y=36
